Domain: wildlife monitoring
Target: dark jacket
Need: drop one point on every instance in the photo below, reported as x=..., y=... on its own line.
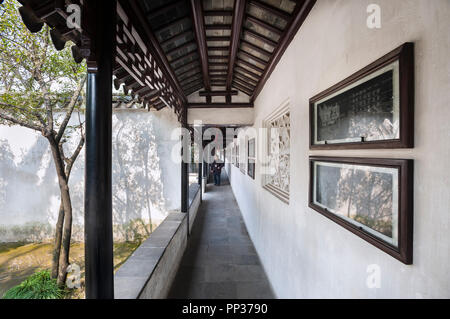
x=216, y=168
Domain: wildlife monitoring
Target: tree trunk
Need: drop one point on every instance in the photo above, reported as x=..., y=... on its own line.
x=67, y=234
x=67, y=207
x=147, y=196
x=57, y=243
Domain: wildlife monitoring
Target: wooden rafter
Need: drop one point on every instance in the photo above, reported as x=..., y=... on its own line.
x=181, y=47
x=260, y=37
x=218, y=48
x=238, y=20
x=218, y=13
x=191, y=79
x=256, y=48
x=200, y=35
x=185, y=65
x=160, y=57
x=176, y=37
x=190, y=74
x=241, y=88
x=220, y=105
x=183, y=57
x=171, y=24
x=299, y=14
x=265, y=25
x=253, y=57
x=245, y=78
x=252, y=66
x=217, y=26
x=164, y=8
x=218, y=38
x=188, y=70
x=247, y=73
x=218, y=93
x=243, y=83
x=218, y=64
x=270, y=9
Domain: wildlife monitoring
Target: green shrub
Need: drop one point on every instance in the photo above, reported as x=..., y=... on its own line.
x=38, y=286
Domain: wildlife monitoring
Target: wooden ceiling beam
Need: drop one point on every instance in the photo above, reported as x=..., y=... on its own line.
x=176, y=37
x=199, y=27
x=270, y=9
x=191, y=79
x=163, y=8
x=241, y=88
x=158, y=52
x=220, y=105
x=256, y=48
x=218, y=93
x=245, y=78
x=218, y=13
x=301, y=11
x=194, y=67
x=217, y=64
x=187, y=55
x=265, y=25
x=248, y=72
x=251, y=65
x=193, y=84
x=238, y=20
x=198, y=71
x=217, y=26
x=218, y=48
x=218, y=38
x=181, y=47
x=255, y=58
x=184, y=65
x=244, y=83
x=171, y=24
x=193, y=89
x=260, y=37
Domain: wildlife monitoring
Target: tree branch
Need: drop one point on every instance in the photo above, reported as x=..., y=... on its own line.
x=22, y=123
x=71, y=106
x=74, y=156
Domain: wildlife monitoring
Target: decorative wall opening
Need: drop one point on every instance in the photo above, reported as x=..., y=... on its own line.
x=276, y=167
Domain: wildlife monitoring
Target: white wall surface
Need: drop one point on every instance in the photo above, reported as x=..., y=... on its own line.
x=142, y=168
x=220, y=116
x=307, y=255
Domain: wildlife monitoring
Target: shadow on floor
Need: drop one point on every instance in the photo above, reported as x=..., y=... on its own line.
x=220, y=260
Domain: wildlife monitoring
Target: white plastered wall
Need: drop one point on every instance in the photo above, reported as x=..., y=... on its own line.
x=306, y=255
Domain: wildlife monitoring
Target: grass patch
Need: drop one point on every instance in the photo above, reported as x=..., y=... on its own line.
x=37, y=286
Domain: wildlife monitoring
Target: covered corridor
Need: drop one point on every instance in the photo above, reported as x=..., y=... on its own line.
x=330, y=117
x=220, y=260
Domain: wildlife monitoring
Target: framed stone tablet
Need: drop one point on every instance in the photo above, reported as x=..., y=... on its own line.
x=370, y=197
x=373, y=108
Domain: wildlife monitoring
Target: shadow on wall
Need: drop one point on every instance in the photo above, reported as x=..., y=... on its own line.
x=29, y=194
x=137, y=184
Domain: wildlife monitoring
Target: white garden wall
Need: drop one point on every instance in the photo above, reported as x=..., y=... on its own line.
x=142, y=169
x=306, y=255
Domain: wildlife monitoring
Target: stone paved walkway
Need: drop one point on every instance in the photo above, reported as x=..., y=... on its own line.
x=220, y=260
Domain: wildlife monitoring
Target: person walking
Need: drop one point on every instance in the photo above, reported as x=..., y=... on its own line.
x=216, y=170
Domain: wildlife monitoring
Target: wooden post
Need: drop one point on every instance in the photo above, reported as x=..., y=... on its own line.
x=98, y=191
x=185, y=169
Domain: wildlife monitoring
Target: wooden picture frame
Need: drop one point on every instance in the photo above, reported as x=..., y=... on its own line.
x=355, y=87
x=401, y=224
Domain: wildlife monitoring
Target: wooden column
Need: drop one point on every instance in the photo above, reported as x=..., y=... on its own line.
x=185, y=168
x=98, y=191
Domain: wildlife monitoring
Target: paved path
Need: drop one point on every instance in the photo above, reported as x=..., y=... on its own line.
x=220, y=260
